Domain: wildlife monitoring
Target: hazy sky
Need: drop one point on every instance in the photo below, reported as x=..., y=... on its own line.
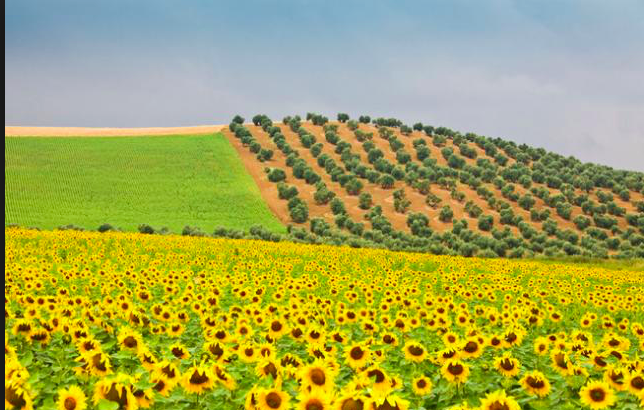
x=564, y=75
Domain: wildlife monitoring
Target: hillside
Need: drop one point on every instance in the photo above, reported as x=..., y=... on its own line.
x=434, y=189
x=163, y=181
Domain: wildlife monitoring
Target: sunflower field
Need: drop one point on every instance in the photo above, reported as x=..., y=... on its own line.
x=126, y=321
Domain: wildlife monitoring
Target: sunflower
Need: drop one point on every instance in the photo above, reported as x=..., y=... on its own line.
x=268, y=366
x=596, y=394
x=175, y=329
x=380, y=382
x=414, y=352
x=147, y=358
x=16, y=397
x=167, y=371
x=117, y=389
x=277, y=328
x=451, y=339
x=350, y=400
x=40, y=336
x=198, y=379
x=421, y=386
x=471, y=348
x=446, y=354
x=455, y=371
x=248, y=353
x=223, y=377
x=72, y=398
x=561, y=363
x=179, y=351
x=22, y=327
x=357, y=355
x=217, y=350
x=507, y=365
x=130, y=339
x=387, y=402
x=536, y=383
x=317, y=376
x=98, y=364
x=635, y=383
x=499, y=400
x=144, y=398
x=616, y=377
x=315, y=400
x=161, y=385
x=272, y=399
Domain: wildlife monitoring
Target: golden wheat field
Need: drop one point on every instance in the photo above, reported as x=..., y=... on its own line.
x=129, y=321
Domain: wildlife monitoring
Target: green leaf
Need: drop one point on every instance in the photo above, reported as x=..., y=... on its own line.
x=107, y=405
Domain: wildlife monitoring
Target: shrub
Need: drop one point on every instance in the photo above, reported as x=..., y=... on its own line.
x=446, y=214
x=146, y=229
x=276, y=175
x=105, y=228
x=286, y=191
x=342, y=117
x=337, y=206
x=386, y=181
x=300, y=213
x=485, y=222
x=365, y=201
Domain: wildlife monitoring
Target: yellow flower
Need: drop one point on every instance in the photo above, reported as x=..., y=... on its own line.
x=272, y=399
x=415, y=352
x=536, y=383
x=117, y=389
x=317, y=376
x=130, y=339
x=198, y=379
x=357, y=355
x=499, y=400
x=507, y=365
x=72, y=398
x=421, y=386
x=596, y=394
x=455, y=371
x=314, y=400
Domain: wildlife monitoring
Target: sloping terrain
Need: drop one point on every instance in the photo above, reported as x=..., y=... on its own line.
x=164, y=181
x=439, y=189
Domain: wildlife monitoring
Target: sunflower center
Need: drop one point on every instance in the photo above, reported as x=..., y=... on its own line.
x=416, y=350
x=455, y=369
x=599, y=361
x=114, y=395
x=314, y=404
x=69, y=403
x=198, y=378
x=498, y=406
x=351, y=404
x=15, y=399
x=216, y=350
x=560, y=360
x=357, y=353
x=159, y=386
x=276, y=326
x=507, y=364
x=130, y=342
x=168, y=372
x=318, y=377
x=178, y=353
x=535, y=383
x=271, y=369
x=638, y=383
x=98, y=363
x=597, y=395
x=471, y=347
x=388, y=339
x=273, y=400
x=421, y=384
x=380, y=376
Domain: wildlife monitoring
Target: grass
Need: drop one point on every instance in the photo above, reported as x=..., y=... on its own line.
x=171, y=181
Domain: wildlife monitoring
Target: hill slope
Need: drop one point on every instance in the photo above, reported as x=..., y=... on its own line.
x=436, y=189
x=164, y=181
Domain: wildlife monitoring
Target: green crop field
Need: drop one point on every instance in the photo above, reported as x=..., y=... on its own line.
x=163, y=181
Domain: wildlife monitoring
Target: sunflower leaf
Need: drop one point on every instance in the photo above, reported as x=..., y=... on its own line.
x=107, y=405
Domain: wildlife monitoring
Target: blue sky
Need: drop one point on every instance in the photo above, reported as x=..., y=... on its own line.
x=564, y=75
